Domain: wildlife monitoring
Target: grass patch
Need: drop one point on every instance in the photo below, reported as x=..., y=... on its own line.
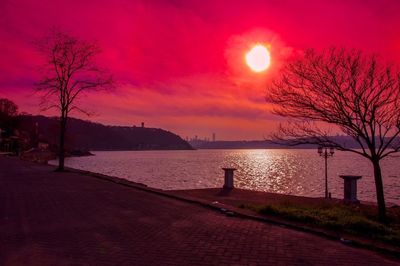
x=339, y=218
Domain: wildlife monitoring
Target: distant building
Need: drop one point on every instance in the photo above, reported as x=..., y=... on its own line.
x=142, y=124
x=213, y=136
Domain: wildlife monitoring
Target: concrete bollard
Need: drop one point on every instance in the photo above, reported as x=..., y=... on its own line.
x=350, y=188
x=229, y=178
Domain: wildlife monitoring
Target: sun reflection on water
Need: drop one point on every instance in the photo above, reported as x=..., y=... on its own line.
x=296, y=172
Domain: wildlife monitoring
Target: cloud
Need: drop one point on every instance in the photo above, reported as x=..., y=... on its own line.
x=183, y=60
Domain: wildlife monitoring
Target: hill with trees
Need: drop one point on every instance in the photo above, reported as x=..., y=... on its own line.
x=86, y=135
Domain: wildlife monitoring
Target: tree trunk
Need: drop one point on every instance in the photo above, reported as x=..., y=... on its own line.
x=379, y=191
x=61, y=151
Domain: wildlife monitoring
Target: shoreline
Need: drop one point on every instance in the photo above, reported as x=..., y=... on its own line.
x=389, y=204
x=300, y=177
x=222, y=200
x=53, y=218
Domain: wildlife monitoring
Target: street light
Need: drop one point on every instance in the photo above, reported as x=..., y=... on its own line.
x=323, y=151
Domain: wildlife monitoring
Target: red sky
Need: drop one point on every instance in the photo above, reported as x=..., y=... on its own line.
x=180, y=63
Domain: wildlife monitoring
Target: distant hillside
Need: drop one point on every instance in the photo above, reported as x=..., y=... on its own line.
x=94, y=136
x=242, y=144
x=263, y=144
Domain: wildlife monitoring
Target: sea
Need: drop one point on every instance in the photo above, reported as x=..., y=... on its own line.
x=287, y=171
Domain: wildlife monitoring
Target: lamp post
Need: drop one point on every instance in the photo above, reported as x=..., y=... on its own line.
x=323, y=151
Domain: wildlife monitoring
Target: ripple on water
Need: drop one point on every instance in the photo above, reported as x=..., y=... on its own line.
x=288, y=171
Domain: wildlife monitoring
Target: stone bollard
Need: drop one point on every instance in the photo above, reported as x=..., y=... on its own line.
x=350, y=188
x=229, y=178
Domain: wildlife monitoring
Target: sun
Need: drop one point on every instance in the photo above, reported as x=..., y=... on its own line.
x=258, y=58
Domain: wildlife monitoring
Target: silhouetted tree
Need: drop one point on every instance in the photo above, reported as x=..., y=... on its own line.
x=8, y=113
x=355, y=92
x=8, y=108
x=70, y=70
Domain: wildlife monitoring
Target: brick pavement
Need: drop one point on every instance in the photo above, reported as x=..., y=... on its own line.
x=49, y=218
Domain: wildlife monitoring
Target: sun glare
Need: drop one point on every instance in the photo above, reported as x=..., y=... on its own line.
x=258, y=58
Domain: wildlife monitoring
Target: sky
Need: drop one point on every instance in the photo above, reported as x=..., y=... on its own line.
x=179, y=64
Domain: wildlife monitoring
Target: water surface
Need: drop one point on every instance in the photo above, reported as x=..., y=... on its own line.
x=288, y=171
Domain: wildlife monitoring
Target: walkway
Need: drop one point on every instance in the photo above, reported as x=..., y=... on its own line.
x=49, y=218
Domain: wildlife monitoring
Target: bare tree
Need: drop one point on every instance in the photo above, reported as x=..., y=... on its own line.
x=354, y=92
x=70, y=71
